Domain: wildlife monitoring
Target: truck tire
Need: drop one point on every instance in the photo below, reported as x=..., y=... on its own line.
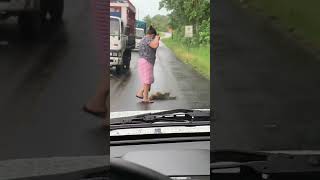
x=119, y=69
x=56, y=10
x=127, y=59
x=30, y=23
x=127, y=66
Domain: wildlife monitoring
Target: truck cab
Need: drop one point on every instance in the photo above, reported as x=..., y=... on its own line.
x=118, y=42
x=139, y=35
x=141, y=30
x=122, y=33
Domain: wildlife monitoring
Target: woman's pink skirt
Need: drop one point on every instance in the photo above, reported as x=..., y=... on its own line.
x=145, y=69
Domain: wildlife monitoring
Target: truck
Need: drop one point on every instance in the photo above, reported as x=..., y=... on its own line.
x=141, y=25
x=31, y=13
x=141, y=29
x=122, y=33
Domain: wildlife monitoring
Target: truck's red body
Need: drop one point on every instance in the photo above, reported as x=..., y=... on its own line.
x=126, y=11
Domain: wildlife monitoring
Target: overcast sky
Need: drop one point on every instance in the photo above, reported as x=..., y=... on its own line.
x=148, y=7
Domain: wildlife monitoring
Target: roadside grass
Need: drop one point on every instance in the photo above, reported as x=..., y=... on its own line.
x=300, y=17
x=198, y=58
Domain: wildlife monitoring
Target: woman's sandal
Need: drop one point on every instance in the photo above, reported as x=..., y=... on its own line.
x=98, y=114
x=139, y=97
x=147, y=102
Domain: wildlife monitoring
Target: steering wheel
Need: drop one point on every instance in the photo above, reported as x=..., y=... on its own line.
x=122, y=169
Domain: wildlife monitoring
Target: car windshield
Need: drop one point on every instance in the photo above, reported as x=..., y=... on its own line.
x=139, y=33
x=114, y=26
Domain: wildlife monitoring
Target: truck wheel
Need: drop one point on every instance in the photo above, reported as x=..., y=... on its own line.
x=127, y=66
x=56, y=10
x=30, y=23
x=119, y=69
x=127, y=59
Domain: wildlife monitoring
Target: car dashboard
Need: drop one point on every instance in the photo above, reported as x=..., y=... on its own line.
x=180, y=161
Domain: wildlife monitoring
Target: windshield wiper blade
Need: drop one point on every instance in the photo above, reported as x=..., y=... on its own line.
x=177, y=115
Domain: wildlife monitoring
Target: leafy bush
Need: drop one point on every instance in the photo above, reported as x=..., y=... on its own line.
x=204, y=32
x=189, y=12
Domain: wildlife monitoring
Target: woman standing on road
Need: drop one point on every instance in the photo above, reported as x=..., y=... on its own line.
x=97, y=104
x=147, y=53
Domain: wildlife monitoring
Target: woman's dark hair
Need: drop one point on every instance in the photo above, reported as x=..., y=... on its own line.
x=152, y=31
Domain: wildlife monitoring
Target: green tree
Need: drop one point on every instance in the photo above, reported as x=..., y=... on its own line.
x=160, y=22
x=148, y=20
x=190, y=12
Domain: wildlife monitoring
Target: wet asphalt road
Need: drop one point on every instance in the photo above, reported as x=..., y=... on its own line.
x=171, y=75
x=44, y=84
x=266, y=87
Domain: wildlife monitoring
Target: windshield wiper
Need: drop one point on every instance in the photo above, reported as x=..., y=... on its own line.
x=178, y=116
x=264, y=163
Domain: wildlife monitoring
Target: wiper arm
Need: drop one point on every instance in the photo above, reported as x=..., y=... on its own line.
x=177, y=115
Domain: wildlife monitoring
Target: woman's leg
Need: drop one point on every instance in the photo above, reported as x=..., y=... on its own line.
x=97, y=104
x=146, y=92
x=141, y=76
x=99, y=101
x=140, y=92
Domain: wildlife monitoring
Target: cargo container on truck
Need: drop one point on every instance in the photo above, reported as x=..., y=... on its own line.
x=122, y=33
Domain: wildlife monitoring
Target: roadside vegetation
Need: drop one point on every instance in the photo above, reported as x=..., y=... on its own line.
x=299, y=17
x=198, y=57
x=160, y=22
x=196, y=50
